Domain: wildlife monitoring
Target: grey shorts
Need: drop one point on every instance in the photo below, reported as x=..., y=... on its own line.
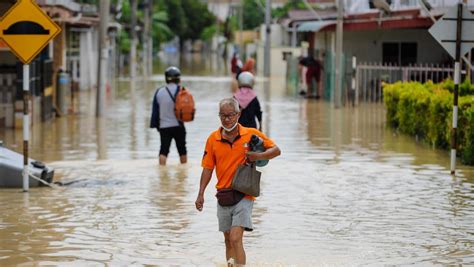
x=238, y=215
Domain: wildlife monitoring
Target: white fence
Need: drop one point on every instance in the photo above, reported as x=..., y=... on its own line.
x=370, y=76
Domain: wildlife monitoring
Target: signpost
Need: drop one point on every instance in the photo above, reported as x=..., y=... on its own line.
x=26, y=29
x=455, y=32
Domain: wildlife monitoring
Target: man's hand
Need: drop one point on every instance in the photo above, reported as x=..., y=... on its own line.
x=267, y=154
x=199, y=202
x=253, y=156
x=205, y=178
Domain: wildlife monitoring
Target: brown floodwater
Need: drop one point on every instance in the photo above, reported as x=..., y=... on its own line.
x=345, y=191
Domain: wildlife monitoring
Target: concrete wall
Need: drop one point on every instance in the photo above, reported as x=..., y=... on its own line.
x=367, y=45
x=276, y=34
x=277, y=64
x=245, y=36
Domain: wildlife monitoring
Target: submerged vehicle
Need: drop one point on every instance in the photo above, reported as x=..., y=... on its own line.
x=11, y=169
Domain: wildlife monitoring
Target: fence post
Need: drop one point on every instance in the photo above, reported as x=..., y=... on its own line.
x=353, y=80
x=357, y=88
x=437, y=73
x=366, y=87
x=426, y=71
x=370, y=81
x=404, y=74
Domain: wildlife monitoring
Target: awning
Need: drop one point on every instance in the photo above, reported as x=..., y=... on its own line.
x=314, y=26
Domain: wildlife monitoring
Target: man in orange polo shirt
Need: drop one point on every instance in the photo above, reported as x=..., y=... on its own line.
x=226, y=149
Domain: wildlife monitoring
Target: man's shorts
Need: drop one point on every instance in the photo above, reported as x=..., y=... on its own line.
x=177, y=133
x=238, y=215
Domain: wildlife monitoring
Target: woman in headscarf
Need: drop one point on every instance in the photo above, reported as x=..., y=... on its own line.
x=248, y=101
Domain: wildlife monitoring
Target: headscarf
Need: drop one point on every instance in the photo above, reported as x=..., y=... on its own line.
x=245, y=95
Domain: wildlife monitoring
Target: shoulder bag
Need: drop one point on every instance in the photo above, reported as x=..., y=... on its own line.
x=247, y=180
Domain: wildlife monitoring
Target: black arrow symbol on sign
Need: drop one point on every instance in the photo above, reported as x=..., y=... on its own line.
x=25, y=27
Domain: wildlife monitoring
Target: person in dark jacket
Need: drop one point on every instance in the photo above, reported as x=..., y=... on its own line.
x=314, y=67
x=248, y=101
x=163, y=117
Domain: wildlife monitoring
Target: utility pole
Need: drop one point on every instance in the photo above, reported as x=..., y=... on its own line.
x=241, y=28
x=146, y=36
x=457, y=77
x=150, y=39
x=266, y=63
x=133, y=48
x=338, y=65
x=103, y=57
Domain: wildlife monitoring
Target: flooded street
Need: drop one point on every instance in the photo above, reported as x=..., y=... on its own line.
x=345, y=191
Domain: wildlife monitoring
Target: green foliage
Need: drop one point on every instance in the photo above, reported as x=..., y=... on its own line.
x=254, y=14
x=439, y=120
x=412, y=110
x=467, y=152
x=391, y=99
x=198, y=17
x=425, y=110
x=124, y=42
x=281, y=12
x=90, y=2
x=177, y=20
x=465, y=88
x=466, y=129
x=209, y=32
x=161, y=31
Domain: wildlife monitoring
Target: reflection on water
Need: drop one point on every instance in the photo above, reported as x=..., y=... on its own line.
x=346, y=190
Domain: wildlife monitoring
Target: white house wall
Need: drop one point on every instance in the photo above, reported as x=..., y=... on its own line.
x=278, y=66
x=276, y=34
x=367, y=45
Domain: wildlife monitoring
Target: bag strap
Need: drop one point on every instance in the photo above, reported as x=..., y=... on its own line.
x=177, y=91
x=252, y=165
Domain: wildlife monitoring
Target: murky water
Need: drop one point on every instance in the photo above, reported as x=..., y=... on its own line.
x=346, y=190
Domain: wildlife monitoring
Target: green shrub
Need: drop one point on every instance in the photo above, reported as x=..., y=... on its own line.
x=391, y=97
x=425, y=110
x=466, y=129
x=439, y=121
x=465, y=88
x=412, y=110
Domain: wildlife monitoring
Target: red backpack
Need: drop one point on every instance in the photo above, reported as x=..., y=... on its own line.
x=183, y=105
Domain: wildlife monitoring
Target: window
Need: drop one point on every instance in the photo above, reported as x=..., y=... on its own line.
x=401, y=54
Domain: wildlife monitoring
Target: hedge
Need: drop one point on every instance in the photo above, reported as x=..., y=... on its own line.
x=425, y=110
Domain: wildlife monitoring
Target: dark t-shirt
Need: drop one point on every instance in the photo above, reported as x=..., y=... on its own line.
x=308, y=61
x=314, y=67
x=248, y=114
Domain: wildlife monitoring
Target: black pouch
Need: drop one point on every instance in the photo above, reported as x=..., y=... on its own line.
x=228, y=197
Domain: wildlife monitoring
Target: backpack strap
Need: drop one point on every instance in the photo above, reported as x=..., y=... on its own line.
x=168, y=90
x=177, y=91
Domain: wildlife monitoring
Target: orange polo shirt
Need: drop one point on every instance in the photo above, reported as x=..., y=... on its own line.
x=226, y=156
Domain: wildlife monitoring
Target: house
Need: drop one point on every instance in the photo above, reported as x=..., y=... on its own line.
x=73, y=51
x=399, y=36
x=391, y=33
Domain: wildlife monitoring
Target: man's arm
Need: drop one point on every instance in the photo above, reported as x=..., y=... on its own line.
x=155, y=114
x=270, y=153
x=205, y=178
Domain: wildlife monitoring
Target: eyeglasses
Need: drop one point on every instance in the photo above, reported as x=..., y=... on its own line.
x=227, y=116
